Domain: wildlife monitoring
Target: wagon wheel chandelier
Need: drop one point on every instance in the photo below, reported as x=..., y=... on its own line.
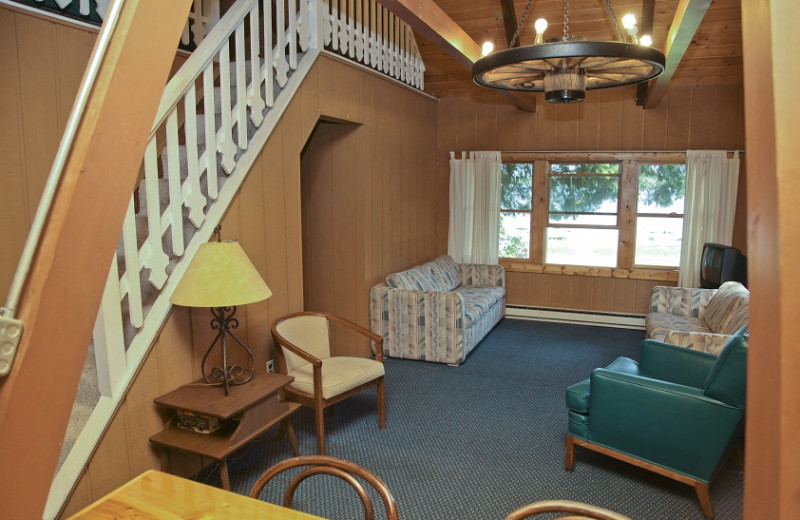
x=564, y=68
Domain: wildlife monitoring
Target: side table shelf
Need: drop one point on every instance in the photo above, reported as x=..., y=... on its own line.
x=248, y=411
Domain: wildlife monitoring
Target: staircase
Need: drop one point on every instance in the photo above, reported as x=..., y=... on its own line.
x=215, y=116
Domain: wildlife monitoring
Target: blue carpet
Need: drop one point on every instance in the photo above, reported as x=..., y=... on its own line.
x=477, y=441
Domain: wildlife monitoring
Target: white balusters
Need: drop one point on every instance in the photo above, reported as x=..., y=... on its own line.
x=192, y=192
x=254, y=98
x=365, y=31
x=241, y=89
x=281, y=63
x=129, y=283
x=292, y=36
x=156, y=259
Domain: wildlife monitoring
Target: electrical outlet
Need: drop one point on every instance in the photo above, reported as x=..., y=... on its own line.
x=270, y=366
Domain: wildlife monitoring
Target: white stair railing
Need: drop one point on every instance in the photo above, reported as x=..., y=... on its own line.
x=215, y=115
x=191, y=174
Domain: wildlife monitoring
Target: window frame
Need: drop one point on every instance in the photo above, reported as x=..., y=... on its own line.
x=627, y=202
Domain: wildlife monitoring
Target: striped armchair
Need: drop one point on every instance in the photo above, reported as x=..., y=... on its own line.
x=437, y=311
x=698, y=319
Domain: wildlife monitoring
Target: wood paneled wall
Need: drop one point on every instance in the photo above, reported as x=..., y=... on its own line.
x=42, y=64
x=379, y=192
x=689, y=117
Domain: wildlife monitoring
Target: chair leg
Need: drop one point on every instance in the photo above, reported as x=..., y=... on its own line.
x=704, y=497
x=569, y=456
x=381, y=405
x=320, y=430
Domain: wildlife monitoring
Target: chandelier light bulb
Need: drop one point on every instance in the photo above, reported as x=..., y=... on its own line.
x=646, y=40
x=540, y=25
x=487, y=48
x=629, y=20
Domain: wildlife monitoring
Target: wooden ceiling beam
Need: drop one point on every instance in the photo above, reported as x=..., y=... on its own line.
x=645, y=27
x=684, y=26
x=428, y=19
x=509, y=21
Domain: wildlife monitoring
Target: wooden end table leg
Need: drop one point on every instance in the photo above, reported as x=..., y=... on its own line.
x=223, y=475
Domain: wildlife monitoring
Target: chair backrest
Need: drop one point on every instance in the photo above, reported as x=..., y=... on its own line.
x=577, y=510
x=309, y=332
x=727, y=380
x=351, y=473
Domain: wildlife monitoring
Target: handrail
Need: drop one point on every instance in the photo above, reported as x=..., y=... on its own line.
x=64, y=148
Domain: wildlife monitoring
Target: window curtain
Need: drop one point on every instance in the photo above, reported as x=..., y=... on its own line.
x=711, y=183
x=474, y=232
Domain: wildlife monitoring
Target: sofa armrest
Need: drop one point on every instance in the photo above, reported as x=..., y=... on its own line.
x=709, y=342
x=676, y=364
x=482, y=275
x=425, y=325
x=680, y=301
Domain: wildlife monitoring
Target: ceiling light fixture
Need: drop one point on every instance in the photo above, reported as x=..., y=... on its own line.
x=565, y=67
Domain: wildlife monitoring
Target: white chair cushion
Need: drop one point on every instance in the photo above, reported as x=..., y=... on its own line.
x=339, y=374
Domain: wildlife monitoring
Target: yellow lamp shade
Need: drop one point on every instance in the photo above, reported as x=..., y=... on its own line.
x=220, y=275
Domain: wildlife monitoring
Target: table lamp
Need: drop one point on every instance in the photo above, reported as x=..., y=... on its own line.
x=220, y=277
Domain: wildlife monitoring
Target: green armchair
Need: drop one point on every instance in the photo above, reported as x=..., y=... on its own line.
x=677, y=412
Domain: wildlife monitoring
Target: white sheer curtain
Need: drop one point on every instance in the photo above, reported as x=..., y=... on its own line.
x=711, y=183
x=474, y=231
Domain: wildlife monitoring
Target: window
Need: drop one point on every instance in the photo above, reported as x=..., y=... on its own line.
x=516, y=198
x=659, y=214
x=582, y=218
x=594, y=209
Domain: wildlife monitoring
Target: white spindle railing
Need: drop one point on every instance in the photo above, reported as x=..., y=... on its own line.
x=187, y=187
x=245, y=86
x=366, y=32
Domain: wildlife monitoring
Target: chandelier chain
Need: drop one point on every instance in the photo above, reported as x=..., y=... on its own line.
x=613, y=17
x=519, y=26
x=566, y=20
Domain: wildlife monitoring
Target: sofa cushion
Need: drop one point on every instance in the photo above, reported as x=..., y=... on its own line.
x=659, y=325
x=444, y=273
x=417, y=278
x=727, y=310
x=477, y=300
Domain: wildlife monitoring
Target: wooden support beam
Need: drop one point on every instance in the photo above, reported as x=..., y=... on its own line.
x=428, y=19
x=645, y=27
x=509, y=21
x=684, y=26
x=62, y=294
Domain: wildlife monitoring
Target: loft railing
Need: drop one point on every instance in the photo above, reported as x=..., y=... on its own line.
x=214, y=117
x=203, y=15
x=366, y=32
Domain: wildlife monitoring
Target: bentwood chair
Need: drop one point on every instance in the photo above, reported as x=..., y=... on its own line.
x=351, y=473
x=577, y=510
x=320, y=378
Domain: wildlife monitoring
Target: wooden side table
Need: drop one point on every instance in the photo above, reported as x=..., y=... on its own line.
x=245, y=413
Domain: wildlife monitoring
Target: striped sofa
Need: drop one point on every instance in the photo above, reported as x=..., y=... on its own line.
x=437, y=311
x=698, y=319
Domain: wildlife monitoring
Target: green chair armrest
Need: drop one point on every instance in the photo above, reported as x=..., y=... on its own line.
x=675, y=364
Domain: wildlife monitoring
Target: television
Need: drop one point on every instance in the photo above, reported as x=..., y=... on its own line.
x=720, y=264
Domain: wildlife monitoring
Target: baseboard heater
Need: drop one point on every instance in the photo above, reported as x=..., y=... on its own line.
x=582, y=317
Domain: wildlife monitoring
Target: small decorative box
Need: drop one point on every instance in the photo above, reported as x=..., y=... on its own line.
x=197, y=422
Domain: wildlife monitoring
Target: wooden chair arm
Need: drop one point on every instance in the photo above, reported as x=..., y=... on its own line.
x=294, y=349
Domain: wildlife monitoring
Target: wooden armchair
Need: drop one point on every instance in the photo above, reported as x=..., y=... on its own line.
x=320, y=379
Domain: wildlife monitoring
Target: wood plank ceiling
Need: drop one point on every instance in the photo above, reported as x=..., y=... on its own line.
x=713, y=55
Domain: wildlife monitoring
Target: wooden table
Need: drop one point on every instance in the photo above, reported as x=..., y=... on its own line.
x=156, y=495
x=246, y=412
